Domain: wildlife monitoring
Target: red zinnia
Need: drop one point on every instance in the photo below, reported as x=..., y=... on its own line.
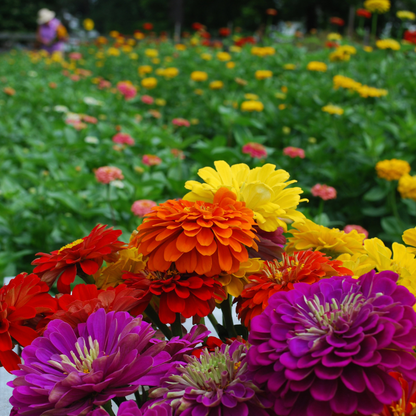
x=25, y=298
x=337, y=21
x=197, y=26
x=84, y=255
x=147, y=26
x=205, y=35
x=189, y=295
x=75, y=308
x=302, y=266
x=410, y=36
x=363, y=13
x=271, y=12
x=202, y=237
x=243, y=41
x=224, y=31
x=406, y=405
x=330, y=44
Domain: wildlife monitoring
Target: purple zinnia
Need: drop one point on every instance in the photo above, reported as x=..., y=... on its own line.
x=328, y=347
x=213, y=385
x=129, y=408
x=71, y=371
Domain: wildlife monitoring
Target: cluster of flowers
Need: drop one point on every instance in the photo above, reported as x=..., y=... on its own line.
x=341, y=81
x=322, y=333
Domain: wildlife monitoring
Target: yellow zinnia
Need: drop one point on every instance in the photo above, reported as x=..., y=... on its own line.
x=130, y=260
x=339, y=55
x=308, y=235
x=340, y=81
x=223, y=56
x=407, y=187
x=199, y=76
x=405, y=15
x=88, y=24
x=113, y=51
x=377, y=6
x=334, y=36
x=263, y=74
x=333, y=109
x=151, y=53
x=358, y=263
x=171, y=72
x=262, y=189
x=388, y=44
x=149, y=83
x=316, y=66
x=216, y=85
x=144, y=69
x=180, y=47
x=206, y=56
x=392, y=169
x=250, y=96
x=289, y=67
x=230, y=65
x=409, y=237
x=252, y=106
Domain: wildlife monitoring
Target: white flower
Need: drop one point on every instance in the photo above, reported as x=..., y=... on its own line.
x=72, y=117
x=61, y=109
x=91, y=140
x=92, y=101
x=117, y=184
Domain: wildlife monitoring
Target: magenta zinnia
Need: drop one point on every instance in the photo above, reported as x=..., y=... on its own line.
x=70, y=372
x=329, y=347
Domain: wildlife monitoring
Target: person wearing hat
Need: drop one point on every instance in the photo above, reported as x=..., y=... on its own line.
x=51, y=34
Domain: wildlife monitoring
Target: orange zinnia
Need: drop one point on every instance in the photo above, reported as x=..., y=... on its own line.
x=202, y=237
x=302, y=266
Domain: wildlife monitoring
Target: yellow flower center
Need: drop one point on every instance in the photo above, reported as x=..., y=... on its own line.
x=70, y=245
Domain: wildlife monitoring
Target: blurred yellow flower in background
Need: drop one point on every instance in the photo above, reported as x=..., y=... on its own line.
x=224, y=56
x=263, y=74
x=250, y=96
x=199, y=76
x=180, y=47
x=206, y=56
x=377, y=6
x=405, y=15
x=407, y=187
x=392, y=169
x=334, y=36
x=289, y=67
x=144, y=69
x=388, y=44
x=88, y=24
x=216, y=85
x=149, y=83
x=333, y=109
x=316, y=66
x=252, y=105
x=151, y=53
x=230, y=65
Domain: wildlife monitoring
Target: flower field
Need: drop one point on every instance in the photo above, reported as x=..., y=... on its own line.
x=115, y=104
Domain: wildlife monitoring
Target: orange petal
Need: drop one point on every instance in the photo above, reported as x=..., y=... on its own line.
x=205, y=237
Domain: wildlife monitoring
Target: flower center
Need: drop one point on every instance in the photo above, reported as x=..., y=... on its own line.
x=85, y=357
x=399, y=410
x=70, y=245
x=284, y=271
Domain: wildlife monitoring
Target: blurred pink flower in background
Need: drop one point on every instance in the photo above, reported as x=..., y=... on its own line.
x=181, y=122
x=324, y=191
x=177, y=153
x=147, y=99
x=74, y=77
x=348, y=228
x=127, y=89
x=89, y=119
x=75, y=56
x=107, y=174
x=123, y=138
x=151, y=160
x=76, y=123
x=104, y=84
x=294, y=152
x=256, y=150
x=142, y=207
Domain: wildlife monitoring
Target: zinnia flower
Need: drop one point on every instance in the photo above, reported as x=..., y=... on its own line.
x=294, y=152
x=224, y=31
x=23, y=302
x=85, y=255
x=151, y=160
x=9, y=91
x=107, y=174
x=329, y=347
x=255, y=150
x=127, y=89
x=223, y=56
x=358, y=228
x=308, y=235
x=147, y=99
x=79, y=369
x=409, y=237
x=388, y=44
x=316, y=66
x=214, y=384
x=147, y=26
x=407, y=187
x=337, y=21
x=262, y=189
x=263, y=74
x=406, y=404
x=202, y=237
x=252, y=106
x=149, y=83
x=190, y=295
x=324, y=191
x=216, y=85
x=363, y=13
x=377, y=6
x=302, y=266
x=123, y=138
x=88, y=24
x=142, y=207
x=199, y=76
x=393, y=169
x=181, y=122
x=333, y=109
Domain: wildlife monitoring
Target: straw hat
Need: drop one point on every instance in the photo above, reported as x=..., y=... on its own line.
x=45, y=16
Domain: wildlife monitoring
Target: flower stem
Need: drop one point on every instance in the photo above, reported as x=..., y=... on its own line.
x=89, y=280
x=154, y=317
x=113, y=220
x=393, y=203
x=374, y=26
x=321, y=210
x=108, y=409
x=227, y=317
x=119, y=400
x=177, y=326
x=214, y=322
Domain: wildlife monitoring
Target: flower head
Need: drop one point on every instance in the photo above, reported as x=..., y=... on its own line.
x=87, y=253
x=388, y=44
x=337, y=21
x=302, y=266
x=149, y=83
x=358, y=228
x=142, y=207
x=363, y=13
x=216, y=85
x=252, y=105
x=23, y=301
x=393, y=169
x=263, y=74
x=147, y=99
x=407, y=187
x=262, y=189
x=294, y=152
x=316, y=66
x=308, y=235
x=377, y=6
x=333, y=109
x=108, y=356
x=214, y=384
x=329, y=347
x=151, y=160
x=181, y=122
x=9, y=91
x=199, y=76
x=324, y=191
x=127, y=89
x=123, y=138
x=88, y=24
x=407, y=403
x=255, y=150
x=107, y=174
x=405, y=15
x=202, y=237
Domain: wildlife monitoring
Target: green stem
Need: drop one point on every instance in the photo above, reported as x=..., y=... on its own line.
x=214, y=322
x=89, y=280
x=154, y=317
x=177, y=326
x=108, y=409
x=374, y=26
x=113, y=220
x=227, y=317
x=321, y=210
x=393, y=203
x=401, y=30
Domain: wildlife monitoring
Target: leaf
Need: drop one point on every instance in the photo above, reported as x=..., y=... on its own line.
x=376, y=194
x=392, y=226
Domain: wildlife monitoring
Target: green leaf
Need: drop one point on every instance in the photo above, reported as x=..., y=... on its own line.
x=376, y=194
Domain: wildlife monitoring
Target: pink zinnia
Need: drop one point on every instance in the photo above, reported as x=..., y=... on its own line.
x=147, y=99
x=294, y=152
x=348, y=228
x=104, y=84
x=142, y=207
x=107, y=174
x=89, y=119
x=177, y=153
x=151, y=160
x=75, y=77
x=181, y=122
x=127, y=89
x=77, y=124
x=75, y=56
x=123, y=138
x=256, y=150
x=324, y=191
